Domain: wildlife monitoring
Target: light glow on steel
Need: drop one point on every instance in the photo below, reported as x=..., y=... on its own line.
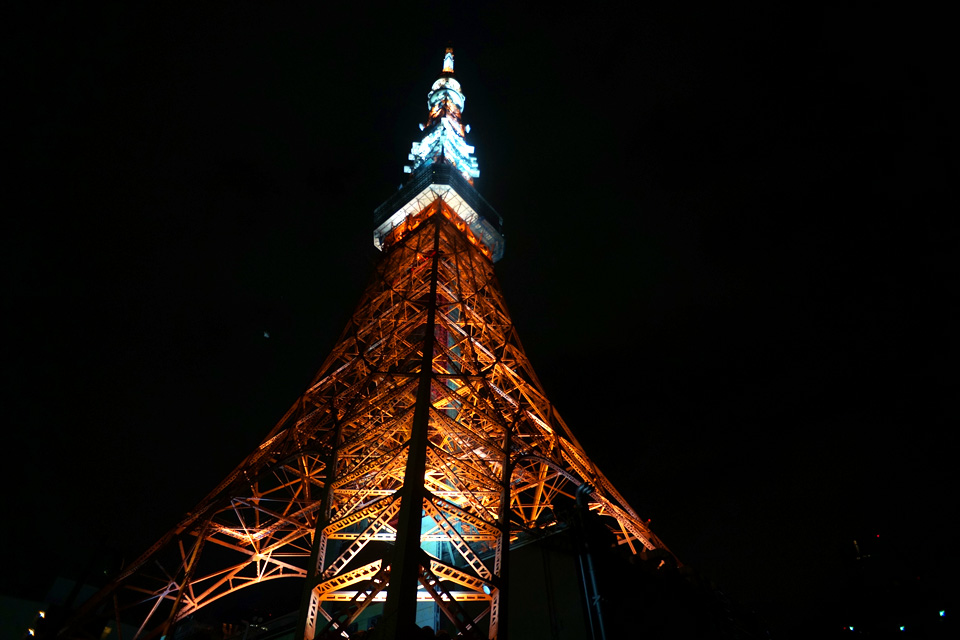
x=443, y=139
x=409, y=217
x=324, y=491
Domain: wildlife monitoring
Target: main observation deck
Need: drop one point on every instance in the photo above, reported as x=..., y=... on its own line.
x=444, y=181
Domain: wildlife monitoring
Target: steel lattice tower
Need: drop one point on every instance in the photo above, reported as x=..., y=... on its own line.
x=427, y=383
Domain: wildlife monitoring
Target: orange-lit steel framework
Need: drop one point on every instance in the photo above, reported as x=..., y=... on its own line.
x=428, y=382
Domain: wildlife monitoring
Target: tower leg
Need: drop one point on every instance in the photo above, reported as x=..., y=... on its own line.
x=310, y=603
x=400, y=611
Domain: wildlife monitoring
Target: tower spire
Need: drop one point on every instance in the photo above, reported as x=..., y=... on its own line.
x=443, y=134
x=448, y=60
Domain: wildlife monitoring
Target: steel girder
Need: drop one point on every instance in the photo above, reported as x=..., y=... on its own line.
x=320, y=498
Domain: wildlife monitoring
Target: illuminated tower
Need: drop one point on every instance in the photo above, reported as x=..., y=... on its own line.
x=422, y=449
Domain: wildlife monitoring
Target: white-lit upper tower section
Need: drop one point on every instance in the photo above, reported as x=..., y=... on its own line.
x=443, y=134
x=442, y=170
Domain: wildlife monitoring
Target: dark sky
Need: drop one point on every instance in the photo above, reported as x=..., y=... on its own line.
x=730, y=250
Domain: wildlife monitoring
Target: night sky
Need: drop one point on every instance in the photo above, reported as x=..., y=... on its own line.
x=730, y=257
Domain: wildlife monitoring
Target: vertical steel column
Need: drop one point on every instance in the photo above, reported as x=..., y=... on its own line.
x=590, y=590
x=503, y=545
x=400, y=610
x=307, y=623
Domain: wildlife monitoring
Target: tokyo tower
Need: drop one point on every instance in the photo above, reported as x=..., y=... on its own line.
x=423, y=449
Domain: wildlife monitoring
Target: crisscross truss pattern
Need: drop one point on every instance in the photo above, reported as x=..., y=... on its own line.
x=319, y=499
